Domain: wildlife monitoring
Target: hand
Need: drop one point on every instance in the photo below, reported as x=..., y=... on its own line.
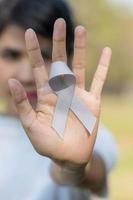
x=77, y=145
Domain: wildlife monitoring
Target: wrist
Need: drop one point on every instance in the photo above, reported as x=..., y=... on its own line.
x=68, y=174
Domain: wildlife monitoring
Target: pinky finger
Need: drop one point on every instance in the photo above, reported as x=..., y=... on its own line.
x=101, y=72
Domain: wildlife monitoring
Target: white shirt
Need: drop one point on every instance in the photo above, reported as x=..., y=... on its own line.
x=24, y=174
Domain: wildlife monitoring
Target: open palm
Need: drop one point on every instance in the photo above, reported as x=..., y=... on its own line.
x=77, y=144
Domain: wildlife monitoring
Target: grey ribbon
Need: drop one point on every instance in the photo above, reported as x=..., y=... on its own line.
x=62, y=82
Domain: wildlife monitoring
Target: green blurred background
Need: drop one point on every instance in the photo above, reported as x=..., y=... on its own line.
x=111, y=25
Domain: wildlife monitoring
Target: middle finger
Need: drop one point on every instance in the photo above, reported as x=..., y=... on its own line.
x=59, y=41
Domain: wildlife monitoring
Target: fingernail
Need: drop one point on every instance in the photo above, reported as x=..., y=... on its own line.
x=31, y=39
x=59, y=29
x=80, y=30
x=60, y=22
x=108, y=50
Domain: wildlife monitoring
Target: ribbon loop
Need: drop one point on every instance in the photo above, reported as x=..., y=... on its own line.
x=62, y=82
x=61, y=76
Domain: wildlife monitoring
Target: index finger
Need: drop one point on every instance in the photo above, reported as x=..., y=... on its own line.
x=34, y=52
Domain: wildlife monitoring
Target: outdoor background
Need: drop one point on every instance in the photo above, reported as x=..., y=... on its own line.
x=110, y=23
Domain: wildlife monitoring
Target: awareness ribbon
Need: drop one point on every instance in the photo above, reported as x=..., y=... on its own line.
x=62, y=81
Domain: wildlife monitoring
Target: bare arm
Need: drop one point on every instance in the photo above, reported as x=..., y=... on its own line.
x=91, y=176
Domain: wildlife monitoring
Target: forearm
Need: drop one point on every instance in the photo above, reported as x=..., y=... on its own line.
x=91, y=176
x=95, y=175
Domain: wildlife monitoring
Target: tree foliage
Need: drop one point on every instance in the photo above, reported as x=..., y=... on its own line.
x=107, y=28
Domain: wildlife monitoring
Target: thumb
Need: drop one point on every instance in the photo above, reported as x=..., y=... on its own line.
x=24, y=109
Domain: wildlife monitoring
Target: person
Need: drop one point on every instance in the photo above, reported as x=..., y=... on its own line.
x=74, y=167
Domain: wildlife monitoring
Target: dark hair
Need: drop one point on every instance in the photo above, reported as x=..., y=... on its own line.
x=39, y=15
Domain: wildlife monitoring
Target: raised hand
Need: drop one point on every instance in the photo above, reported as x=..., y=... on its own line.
x=77, y=145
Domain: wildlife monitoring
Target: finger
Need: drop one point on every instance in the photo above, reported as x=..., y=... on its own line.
x=59, y=41
x=34, y=52
x=101, y=72
x=78, y=64
x=24, y=109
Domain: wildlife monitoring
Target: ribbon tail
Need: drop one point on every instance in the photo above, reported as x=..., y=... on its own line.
x=63, y=105
x=83, y=114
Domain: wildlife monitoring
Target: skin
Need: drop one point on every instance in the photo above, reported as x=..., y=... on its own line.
x=69, y=164
x=15, y=63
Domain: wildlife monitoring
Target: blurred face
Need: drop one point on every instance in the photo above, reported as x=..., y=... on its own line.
x=14, y=62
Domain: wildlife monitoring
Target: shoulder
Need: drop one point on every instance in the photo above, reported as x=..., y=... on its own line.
x=106, y=147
